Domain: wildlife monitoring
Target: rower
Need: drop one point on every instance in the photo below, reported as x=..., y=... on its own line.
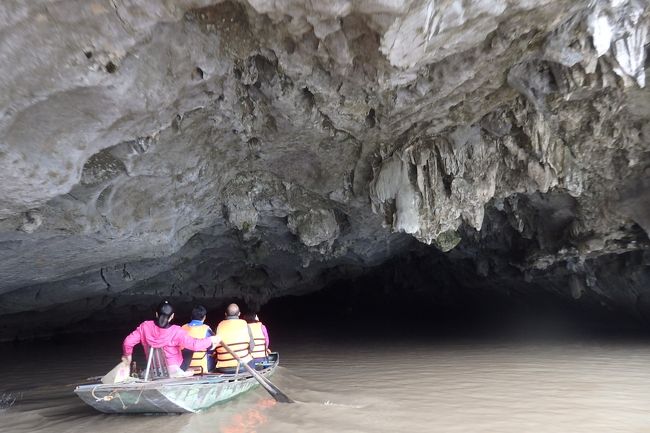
x=161, y=334
x=261, y=338
x=196, y=328
x=236, y=334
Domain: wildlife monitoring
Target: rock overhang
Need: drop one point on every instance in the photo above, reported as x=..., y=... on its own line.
x=217, y=149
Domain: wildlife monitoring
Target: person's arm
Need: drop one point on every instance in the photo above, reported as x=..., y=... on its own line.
x=131, y=340
x=196, y=344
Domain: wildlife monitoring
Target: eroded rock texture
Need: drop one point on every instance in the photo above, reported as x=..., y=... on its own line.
x=206, y=150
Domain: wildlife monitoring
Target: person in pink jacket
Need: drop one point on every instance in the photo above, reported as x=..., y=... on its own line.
x=160, y=333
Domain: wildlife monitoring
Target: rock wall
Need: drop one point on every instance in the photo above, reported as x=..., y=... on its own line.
x=199, y=149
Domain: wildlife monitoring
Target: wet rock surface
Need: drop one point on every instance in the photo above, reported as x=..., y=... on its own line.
x=210, y=150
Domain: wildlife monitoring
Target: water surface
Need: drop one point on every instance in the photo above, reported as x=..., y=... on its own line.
x=575, y=386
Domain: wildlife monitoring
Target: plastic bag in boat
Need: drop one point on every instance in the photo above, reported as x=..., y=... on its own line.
x=118, y=374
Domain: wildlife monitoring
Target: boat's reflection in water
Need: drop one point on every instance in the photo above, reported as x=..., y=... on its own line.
x=249, y=420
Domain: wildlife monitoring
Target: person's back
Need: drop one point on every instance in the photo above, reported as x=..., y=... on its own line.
x=260, y=337
x=161, y=334
x=161, y=338
x=234, y=332
x=197, y=328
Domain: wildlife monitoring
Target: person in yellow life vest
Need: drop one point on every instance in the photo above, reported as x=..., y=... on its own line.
x=237, y=335
x=198, y=360
x=260, y=337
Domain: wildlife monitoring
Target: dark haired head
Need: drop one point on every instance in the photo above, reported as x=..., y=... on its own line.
x=251, y=317
x=199, y=312
x=164, y=314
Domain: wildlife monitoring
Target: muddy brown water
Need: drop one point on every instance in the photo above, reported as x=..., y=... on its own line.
x=569, y=386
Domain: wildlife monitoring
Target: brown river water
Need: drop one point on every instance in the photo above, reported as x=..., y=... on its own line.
x=569, y=386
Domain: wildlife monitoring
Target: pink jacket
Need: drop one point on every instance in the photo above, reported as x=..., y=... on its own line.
x=171, y=340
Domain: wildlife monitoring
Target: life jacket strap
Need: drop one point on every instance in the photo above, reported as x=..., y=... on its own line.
x=224, y=355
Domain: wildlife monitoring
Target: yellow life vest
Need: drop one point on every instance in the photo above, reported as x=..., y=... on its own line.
x=233, y=332
x=199, y=358
x=260, y=350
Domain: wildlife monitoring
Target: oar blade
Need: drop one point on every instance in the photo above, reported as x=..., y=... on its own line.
x=275, y=392
x=278, y=395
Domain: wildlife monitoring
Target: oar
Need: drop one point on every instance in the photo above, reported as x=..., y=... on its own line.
x=278, y=395
x=93, y=379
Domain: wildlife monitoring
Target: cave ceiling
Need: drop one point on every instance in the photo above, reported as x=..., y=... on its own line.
x=209, y=150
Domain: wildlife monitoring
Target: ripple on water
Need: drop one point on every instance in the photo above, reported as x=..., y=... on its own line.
x=366, y=388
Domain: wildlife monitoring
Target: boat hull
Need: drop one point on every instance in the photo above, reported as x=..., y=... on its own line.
x=187, y=395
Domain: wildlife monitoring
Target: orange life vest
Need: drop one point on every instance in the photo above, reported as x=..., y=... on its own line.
x=233, y=332
x=199, y=358
x=260, y=350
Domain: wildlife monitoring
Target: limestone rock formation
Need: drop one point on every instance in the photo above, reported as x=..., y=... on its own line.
x=205, y=149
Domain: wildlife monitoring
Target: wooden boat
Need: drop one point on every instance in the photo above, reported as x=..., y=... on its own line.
x=171, y=395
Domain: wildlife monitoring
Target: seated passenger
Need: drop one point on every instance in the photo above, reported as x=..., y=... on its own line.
x=201, y=360
x=160, y=333
x=235, y=333
x=260, y=337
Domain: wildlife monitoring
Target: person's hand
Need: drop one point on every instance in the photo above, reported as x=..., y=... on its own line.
x=215, y=340
x=126, y=360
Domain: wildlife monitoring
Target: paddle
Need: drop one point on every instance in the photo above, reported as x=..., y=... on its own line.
x=278, y=395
